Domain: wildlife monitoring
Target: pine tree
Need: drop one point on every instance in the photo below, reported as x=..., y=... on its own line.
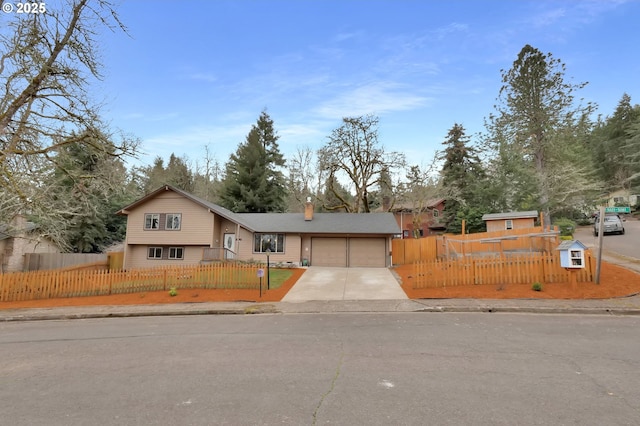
x=537, y=135
x=461, y=175
x=253, y=181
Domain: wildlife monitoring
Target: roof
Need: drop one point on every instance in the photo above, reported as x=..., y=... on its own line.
x=510, y=215
x=569, y=244
x=409, y=206
x=226, y=213
x=4, y=230
x=326, y=223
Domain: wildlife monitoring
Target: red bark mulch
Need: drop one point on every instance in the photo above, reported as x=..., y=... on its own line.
x=615, y=281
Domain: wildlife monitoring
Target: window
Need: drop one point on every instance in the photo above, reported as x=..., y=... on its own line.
x=436, y=212
x=273, y=242
x=508, y=224
x=173, y=221
x=576, y=257
x=176, y=253
x=154, y=253
x=151, y=221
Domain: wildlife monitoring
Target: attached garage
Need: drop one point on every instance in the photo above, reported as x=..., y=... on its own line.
x=351, y=252
x=329, y=252
x=367, y=252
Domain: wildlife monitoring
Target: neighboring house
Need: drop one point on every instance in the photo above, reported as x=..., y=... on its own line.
x=172, y=227
x=429, y=220
x=622, y=197
x=510, y=220
x=19, y=238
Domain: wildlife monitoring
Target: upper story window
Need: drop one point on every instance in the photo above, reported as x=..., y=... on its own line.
x=152, y=221
x=163, y=221
x=508, y=224
x=272, y=242
x=173, y=222
x=436, y=212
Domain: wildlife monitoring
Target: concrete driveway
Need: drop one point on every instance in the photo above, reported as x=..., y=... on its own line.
x=326, y=283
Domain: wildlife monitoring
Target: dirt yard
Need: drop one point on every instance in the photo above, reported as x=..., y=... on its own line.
x=615, y=282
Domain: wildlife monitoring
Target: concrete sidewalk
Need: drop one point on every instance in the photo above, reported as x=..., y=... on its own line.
x=618, y=306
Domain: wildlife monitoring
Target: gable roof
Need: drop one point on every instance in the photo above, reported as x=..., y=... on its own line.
x=8, y=232
x=326, y=223
x=569, y=244
x=510, y=215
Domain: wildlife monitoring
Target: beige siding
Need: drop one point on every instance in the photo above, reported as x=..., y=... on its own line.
x=500, y=225
x=196, y=228
x=137, y=257
x=291, y=253
x=14, y=249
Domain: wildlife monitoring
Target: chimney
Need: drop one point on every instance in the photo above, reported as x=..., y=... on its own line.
x=386, y=203
x=308, y=210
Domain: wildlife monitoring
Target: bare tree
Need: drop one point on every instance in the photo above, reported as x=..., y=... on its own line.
x=305, y=178
x=46, y=62
x=354, y=152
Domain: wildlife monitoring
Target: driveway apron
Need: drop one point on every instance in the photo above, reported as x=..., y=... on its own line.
x=327, y=283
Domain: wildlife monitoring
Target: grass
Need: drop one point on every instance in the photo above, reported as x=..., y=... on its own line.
x=229, y=279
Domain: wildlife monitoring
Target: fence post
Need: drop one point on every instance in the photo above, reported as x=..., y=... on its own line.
x=164, y=279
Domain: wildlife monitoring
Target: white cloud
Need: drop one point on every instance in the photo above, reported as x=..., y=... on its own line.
x=376, y=98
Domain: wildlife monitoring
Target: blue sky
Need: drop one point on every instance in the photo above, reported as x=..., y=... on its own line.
x=196, y=73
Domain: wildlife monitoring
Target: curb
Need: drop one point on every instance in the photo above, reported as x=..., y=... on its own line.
x=272, y=309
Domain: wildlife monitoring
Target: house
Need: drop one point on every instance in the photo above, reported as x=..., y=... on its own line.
x=19, y=238
x=419, y=222
x=172, y=227
x=510, y=220
x=622, y=197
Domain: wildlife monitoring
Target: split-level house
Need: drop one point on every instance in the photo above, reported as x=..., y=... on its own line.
x=172, y=227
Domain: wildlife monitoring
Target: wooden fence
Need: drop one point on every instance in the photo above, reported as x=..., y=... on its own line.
x=448, y=246
x=524, y=268
x=44, y=261
x=413, y=250
x=19, y=286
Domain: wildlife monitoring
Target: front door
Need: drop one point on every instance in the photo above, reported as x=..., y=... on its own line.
x=230, y=245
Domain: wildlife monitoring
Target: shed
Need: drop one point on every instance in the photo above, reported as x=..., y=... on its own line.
x=510, y=220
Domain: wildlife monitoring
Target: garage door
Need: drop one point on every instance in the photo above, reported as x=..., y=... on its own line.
x=329, y=252
x=367, y=252
x=362, y=252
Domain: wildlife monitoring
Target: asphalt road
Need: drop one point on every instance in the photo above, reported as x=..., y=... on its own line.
x=340, y=369
x=626, y=245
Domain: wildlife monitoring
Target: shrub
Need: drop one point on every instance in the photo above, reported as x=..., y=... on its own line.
x=536, y=287
x=566, y=226
x=173, y=291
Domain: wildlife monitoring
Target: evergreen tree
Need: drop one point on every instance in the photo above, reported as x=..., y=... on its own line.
x=97, y=180
x=613, y=153
x=538, y=135
x=461, y=174
x=176, y=173
x=253, y=181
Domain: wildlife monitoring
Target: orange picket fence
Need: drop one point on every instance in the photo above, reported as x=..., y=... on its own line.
x=526, y=268
x=450, y=246
x=19, y=286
